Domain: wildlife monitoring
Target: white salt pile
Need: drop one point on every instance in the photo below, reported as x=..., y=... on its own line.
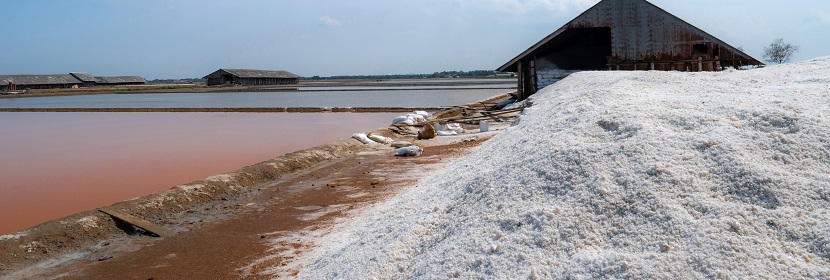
x=621, y=175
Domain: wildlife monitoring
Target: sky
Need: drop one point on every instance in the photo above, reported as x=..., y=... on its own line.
x=160, y=39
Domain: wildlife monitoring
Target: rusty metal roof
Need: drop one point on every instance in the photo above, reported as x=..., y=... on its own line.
x=640, y=31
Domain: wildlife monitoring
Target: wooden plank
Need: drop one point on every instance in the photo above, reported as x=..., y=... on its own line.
x=136, y=221
x=489, y=114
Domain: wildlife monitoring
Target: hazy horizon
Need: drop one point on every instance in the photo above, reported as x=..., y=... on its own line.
x=189, y=39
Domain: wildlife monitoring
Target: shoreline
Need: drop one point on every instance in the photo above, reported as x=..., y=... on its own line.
x=391, y=85
x=228, y=110
x=187, y=208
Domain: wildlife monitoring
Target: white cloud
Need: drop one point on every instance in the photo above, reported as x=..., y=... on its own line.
x=549, y=5
x=327, y=20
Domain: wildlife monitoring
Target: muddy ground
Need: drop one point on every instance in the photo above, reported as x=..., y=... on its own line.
x=251, y=223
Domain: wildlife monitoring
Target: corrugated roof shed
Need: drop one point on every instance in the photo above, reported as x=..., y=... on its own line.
x=59, y=79
x=120, y=80
x=251, y=73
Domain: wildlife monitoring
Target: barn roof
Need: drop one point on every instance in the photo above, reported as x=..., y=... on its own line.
x=120, y=80
x=58, y=79
x=251, y=73
x=630, y=17
x=84, y=77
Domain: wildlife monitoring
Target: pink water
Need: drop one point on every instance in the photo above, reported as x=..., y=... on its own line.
x=56, y=164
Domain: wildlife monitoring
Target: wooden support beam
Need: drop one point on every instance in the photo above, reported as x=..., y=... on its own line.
x=136, y=221
x=489, y=115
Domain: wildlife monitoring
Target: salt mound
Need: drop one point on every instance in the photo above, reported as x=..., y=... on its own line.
x=621, y=175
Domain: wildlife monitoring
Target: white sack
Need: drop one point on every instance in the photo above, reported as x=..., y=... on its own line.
x=360, y=136
x=411, y=151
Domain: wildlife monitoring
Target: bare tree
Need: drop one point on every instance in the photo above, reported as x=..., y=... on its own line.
x=779, y=52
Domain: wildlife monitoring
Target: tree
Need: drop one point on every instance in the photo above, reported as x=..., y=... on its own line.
x=779, y=52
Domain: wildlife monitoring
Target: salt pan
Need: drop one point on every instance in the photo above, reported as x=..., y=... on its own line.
x=620, y=175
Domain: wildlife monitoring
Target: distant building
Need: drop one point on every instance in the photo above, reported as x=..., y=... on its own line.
x=120, y=80
x=622, y=35
x=251, y=77
x=39, y=81
x=87, y=79
x=71, y=80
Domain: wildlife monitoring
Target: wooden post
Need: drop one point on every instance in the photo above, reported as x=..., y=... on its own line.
x=135, y=221
x=533, y=80
x=521, y=81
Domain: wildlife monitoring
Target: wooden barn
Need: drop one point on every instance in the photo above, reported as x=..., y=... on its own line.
x=86, y=79
x=71, y=80
x=23, y=82
x=250, y=77
x=622, y=35
x=120, y=81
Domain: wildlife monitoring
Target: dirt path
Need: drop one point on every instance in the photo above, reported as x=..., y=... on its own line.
x=259, y=237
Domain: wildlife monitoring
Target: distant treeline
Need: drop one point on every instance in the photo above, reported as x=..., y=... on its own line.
x=444, y=74
x=178, y=81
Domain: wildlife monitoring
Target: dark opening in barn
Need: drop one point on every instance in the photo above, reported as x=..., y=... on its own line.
x=227, y=79
x=580, y=49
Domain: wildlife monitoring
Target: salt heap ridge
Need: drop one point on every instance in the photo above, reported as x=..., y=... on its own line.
x=618, y=175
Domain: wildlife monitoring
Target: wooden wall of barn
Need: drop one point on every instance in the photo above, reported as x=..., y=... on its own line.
x=266, y=81
x=643, y=34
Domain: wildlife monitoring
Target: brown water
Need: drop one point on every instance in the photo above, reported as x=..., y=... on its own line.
x=56, y=164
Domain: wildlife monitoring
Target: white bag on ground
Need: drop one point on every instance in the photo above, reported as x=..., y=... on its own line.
x=422, y=113
x=437, y=126
x=416, y=118
x=380, y=138
x=360, y=136
x=446, y=133
x=401, y=144
x=454, y=127
x=403, y=120
x=411, y=151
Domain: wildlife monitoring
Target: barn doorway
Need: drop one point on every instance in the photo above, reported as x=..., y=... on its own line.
x=227, y=79
x=580, y=49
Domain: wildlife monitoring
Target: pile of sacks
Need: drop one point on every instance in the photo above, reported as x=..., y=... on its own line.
x=402, y=148
x=412, y=118
x=450, y=129
x=371, y=138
